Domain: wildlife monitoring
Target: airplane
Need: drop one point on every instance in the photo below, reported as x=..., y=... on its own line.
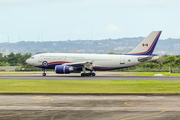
x=66, y=63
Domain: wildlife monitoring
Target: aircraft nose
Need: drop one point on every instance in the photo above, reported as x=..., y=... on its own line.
x=27, y=61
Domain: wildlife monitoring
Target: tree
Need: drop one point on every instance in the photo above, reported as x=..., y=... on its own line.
x=111, y=53
x=25, y=57
x=1, y=58
x=19, y=58
x=4, y=64
x=149, y=65
x=177, y=62
x=170, y=60
x=12, y=59
x=160, y=61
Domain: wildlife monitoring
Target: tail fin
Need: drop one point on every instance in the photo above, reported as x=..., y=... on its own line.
x=146, y=47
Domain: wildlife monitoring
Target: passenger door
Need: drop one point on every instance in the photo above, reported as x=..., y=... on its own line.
x=122, y=60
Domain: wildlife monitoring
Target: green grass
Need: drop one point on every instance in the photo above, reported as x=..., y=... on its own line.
x=150, y=74
x=121, y=73
x=83, y=86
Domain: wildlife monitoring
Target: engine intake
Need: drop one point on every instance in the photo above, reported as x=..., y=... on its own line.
x=61, y=69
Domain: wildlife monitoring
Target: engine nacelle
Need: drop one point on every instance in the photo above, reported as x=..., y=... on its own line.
x=61, y=69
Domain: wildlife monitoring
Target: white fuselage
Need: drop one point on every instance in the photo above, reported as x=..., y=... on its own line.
x=100, y=61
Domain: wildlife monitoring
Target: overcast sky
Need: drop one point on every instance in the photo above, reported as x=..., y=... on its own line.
x=54, y=20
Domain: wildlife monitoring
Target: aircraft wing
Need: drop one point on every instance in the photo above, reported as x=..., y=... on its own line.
x=86, y=64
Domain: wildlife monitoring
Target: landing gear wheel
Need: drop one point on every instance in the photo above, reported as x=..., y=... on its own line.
x=82, y=74
x=88, y=74
x=44, y=74
x=93, y=74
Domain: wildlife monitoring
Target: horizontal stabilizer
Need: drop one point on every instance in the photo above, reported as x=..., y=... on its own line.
x=148, y=59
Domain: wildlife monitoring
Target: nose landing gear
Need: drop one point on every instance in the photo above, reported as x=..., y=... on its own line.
x=44, y=74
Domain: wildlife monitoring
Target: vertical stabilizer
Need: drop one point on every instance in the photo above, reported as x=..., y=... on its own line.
x=146, y=47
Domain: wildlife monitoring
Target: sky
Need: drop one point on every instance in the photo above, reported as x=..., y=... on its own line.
x=60, y=20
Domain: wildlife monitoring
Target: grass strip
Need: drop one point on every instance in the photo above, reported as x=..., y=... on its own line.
x=121, y=73
x=83, y=86
x=149, y=74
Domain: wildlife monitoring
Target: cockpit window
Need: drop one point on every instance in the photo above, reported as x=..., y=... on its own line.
x=32, y=57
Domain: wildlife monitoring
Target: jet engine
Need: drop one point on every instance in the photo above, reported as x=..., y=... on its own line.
x=61, y=69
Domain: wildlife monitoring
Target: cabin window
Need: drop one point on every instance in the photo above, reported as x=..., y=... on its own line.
x=32, y=57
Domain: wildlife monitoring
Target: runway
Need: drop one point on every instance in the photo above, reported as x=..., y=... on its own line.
x=77, y=77
x=58, y=107
x=89, y=107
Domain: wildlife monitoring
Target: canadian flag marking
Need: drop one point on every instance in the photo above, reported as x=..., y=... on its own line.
x=145, y=45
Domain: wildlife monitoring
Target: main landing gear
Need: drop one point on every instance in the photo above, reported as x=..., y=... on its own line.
x=88, y=74
x=44, y=74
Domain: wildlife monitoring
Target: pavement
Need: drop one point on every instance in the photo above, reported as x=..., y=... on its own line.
x=89, y=107
x=78, y=107
x=99, y=76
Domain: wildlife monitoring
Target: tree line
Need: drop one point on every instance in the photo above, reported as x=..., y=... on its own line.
x=14, y=59
x=172, y=61
x=164, y=62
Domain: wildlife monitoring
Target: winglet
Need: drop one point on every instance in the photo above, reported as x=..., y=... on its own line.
x=146, y=47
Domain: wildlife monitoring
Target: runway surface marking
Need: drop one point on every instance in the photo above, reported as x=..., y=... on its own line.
x=128, y=104
x=146, y=114
x=54, y=116
x=47, y=98
x=96, y=107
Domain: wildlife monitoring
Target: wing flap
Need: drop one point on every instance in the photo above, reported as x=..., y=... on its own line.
x=88, y=65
